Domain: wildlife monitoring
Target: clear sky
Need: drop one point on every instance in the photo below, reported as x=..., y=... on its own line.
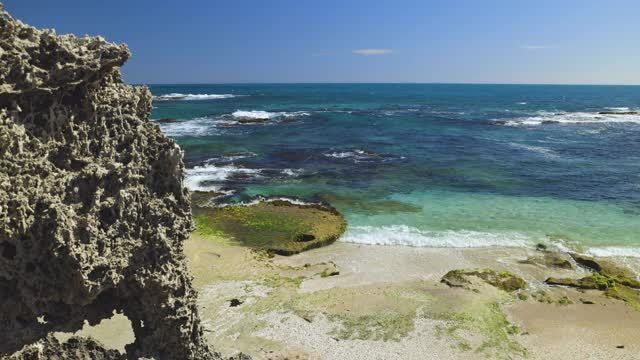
x=488, y=41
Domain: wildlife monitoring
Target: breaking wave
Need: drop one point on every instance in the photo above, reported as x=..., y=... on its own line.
x=404, y=235
x=212, y=177
x=359, y=155
x=203, y=126
x=188, y=97
x=259, y=114
x=602, y=117
x=617, y=251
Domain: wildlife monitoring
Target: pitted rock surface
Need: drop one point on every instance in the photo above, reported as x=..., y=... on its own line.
x=93, y=211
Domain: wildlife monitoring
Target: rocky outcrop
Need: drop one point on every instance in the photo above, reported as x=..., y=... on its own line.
x=615, y=281
x=276, y=225
x=503, y=280
x=93, y=212
x=605, y=267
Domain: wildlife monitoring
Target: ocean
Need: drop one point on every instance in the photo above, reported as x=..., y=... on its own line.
x=433, y=165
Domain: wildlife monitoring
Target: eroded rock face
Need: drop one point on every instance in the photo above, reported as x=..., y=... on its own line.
x=76, y=348
x=93, y=212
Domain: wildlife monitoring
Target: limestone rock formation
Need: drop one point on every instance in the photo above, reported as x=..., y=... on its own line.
x=93, y=211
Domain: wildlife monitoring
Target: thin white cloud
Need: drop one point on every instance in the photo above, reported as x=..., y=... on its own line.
x=370, y=52
x=536, y=47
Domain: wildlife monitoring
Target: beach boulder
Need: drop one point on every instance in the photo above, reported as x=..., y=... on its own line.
x=503, y=280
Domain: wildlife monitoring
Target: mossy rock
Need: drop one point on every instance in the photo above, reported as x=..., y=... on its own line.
x=276, y=226
x=596, y=281
x=605, y=275
x=589, y=282
x=503, y=280
x=616, y=287
x=604, y=267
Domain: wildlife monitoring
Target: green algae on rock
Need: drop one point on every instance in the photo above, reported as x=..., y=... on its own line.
x=503, y=280
x=279, y=226
x=605, y=267
x=612, y=286
x=605, y=275
x=616, y=282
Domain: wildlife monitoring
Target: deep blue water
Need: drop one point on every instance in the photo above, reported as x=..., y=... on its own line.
x=426, y=164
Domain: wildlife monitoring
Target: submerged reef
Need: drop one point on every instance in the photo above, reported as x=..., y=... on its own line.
x=93, y=211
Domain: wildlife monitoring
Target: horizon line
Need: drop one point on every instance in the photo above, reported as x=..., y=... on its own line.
x=378, y=83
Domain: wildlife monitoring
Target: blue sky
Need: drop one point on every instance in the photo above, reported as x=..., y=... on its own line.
x=469, y=41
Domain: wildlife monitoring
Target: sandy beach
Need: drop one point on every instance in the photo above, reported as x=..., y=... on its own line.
x=349, y=301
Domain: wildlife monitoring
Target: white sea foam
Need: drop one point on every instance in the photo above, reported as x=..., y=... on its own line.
x=292, y=172
x=616, y=251
x=259, y=114
x=359, y=155
x=341, y=154
x=203, y=126
x=404, y=235
x=261, y=199
x=211, y=177
x=290, y=200
x=574, y=118
x=188, y=97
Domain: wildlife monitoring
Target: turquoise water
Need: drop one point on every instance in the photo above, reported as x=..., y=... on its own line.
x=426, y=165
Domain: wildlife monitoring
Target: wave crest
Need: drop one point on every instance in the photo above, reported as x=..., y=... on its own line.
x=614, y=251
x=203, y=126
x=403, y=235
x=602, y=117
x=359, y=155
x=212, y=177
x=187, y=97
x=260, y=114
